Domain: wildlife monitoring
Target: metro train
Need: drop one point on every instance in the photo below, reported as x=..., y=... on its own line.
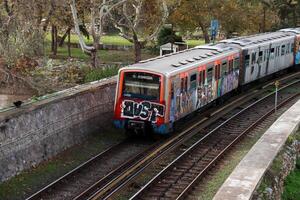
x=154, y=94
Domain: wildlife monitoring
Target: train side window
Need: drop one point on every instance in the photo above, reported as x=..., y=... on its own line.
x=267, y=54
x=209, y=75
x=236, y=63
x=288, y=48
x=172, y=90
x=277, y=51
x=217, y=71
x=292, y=47
x=193, y=81
x=260, y=56
x=282, y=50
x=253, y=59
x=272, y=53
x=247, y=60
x=182, y=84
x=202, y=77
x=186, y=84
x=224, y=69
x=230, y=68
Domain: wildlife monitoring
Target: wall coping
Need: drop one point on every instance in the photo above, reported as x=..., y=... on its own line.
x=245, y=178
x=30, y=105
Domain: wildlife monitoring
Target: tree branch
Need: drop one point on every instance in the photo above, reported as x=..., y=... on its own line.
x=84, y=47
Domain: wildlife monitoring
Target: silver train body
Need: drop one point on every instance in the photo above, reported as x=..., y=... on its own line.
x=155, y=93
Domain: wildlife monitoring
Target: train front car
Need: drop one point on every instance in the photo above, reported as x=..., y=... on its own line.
x=140, y=105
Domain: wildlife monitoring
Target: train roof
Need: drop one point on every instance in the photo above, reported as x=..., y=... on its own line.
x=291, y=30
x=182, y=60
x=258, y=39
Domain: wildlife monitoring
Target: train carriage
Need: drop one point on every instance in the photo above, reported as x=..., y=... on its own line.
x=296, y=32
x=264, y=54
x=155, y=93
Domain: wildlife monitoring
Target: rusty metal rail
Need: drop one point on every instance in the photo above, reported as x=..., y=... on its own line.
x=69, y=185
x=105, y=187
x=177, y=179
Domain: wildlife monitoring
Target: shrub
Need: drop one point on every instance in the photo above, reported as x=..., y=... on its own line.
x=100, y=73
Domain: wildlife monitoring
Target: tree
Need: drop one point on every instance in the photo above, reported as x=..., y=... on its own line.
x=167, y=35
x=287, y=12
x=98, y=12
x=20, y=28
x=139, y=21
x=191, y=15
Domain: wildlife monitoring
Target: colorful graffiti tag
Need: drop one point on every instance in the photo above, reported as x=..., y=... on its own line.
x=185, y=102
x=145, y=110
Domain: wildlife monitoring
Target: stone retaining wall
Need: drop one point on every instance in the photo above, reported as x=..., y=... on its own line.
x=38, y=131
x=272, y=184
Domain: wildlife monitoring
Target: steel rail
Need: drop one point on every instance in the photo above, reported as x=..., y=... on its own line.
x=37, y=195
x=203, y=138
x=224, y=151
x=117, y=178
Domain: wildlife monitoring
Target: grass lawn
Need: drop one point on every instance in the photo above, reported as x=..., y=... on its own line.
x=193, y=43
x=106, y=39
x=106, y=56
x=117, y=40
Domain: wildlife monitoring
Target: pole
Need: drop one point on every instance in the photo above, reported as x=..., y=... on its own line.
x=276, y=94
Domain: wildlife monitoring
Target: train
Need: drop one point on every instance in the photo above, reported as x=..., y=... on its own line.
x=152, y=95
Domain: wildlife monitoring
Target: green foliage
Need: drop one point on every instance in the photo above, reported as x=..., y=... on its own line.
x=167, y=35
x=292, y=184
x=193, y=43
x=100, y=73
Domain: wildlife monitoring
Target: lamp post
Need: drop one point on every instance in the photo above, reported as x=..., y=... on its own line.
x=276, y=94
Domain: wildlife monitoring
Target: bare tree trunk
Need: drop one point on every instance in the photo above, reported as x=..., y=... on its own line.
x=62, y=41
x=69, y=42
x=94, y=53
x=54, y=40
x=205, y=32
x=137, y=49
x=45, y=26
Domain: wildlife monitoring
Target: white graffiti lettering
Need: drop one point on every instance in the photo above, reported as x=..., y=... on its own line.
x=144, y=110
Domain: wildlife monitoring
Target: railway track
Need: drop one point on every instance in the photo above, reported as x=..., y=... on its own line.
x=99, y=167
x=177, y=179
x=96, y=179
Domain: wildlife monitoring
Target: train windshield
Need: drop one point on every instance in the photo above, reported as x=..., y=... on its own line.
x=141, y=85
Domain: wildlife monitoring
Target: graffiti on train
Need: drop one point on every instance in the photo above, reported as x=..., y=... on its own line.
x=144, y=110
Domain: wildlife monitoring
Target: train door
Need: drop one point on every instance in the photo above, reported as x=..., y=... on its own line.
x=201, y=94
x=266, y=60
x=271, y=60
x=216, y=82
x=277, y=62
x=253, y=65
x=222, y=89
x=297, y=50
x=176, y=100
x=260, y=62
x=210, y=91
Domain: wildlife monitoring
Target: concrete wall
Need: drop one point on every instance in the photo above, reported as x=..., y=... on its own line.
x=39, y=130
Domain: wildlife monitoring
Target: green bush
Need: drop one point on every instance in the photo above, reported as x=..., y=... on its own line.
x=100, y=73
